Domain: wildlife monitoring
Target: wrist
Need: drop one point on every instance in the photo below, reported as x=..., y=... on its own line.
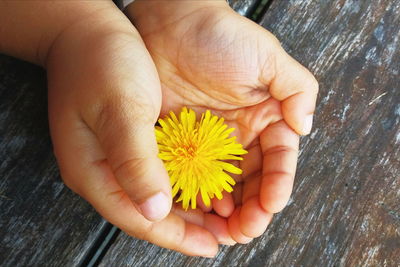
x=104, y=28
x=28, y=29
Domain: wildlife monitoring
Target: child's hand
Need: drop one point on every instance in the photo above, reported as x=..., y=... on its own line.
x=208, y=57
x=104, y=99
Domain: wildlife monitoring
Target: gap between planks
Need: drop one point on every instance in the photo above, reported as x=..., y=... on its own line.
x=100, y=246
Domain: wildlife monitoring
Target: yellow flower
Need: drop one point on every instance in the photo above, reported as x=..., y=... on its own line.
x=194, y=154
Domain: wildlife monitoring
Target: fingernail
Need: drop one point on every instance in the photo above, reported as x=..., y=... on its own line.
x=307, y=126
x=156, y=207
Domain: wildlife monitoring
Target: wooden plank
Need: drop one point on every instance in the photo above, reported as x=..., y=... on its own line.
x=42, y=223
x=345, y=207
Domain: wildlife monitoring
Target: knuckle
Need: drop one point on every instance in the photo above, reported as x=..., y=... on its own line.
x=281, y=149
x=129, y=170
x=133, y=176
x=118, y=198
x=312, y=83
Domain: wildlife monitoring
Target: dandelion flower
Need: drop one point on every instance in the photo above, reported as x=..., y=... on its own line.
x=195, y=154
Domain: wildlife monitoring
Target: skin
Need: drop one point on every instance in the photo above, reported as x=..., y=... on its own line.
x=108, y=85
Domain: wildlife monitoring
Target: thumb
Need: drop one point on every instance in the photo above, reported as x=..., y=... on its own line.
x=125, y=130
x=104, y=71
x=297, y=88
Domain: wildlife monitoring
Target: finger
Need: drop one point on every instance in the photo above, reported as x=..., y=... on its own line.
x=218, y=226
x=172, y=232
x=215, y=224
x=225, y=206
x=252, y=161
x=121, y=109
x=127, y=136
x=279, y=145
x=234, y=228
x=90, y=175
x=253, y=219
x=202, y=206
x=195, y=216
x=251, y=187
x=237, y=194
x=297, y=88
x=117, y=93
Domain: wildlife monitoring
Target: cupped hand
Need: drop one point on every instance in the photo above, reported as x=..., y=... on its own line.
x=104, y=98
x=209, y=57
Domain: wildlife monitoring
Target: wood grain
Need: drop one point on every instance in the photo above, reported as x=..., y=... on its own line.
x=42, y=223
x=345, y=207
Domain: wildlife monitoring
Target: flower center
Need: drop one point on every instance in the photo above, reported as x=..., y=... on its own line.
x=188, y=151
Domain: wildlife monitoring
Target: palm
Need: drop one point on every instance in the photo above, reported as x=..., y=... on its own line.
x=220, y=61
x=213, y=69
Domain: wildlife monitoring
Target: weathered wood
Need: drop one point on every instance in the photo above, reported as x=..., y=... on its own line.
x=42, y=223
x=345, y=207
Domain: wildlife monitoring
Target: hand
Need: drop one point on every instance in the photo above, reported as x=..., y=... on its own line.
x=209, y=57
x=104, y=99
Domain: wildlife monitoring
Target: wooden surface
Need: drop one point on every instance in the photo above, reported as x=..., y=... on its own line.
x=41, y=221
x=345, y=209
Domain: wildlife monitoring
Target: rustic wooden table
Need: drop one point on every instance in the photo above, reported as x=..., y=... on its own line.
x=345, y=208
